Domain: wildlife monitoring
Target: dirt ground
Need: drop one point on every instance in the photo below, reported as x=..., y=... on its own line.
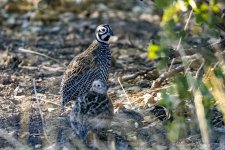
x=35, y=48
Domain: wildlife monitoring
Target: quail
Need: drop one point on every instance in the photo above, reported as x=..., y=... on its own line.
x=93, y=111
x=92, y=64
x=217, y=122
x=161, y=113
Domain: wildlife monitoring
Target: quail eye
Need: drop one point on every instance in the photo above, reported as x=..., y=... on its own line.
x=102, y=29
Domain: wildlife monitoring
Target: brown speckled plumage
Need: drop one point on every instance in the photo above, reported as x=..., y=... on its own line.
x=92, y=111
x=92, y=64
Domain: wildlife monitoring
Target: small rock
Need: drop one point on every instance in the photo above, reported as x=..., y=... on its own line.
x=134, y=89
x=18, y=91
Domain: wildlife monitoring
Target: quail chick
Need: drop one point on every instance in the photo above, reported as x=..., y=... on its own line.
x=217, y=120
x=161, y=113
x=92, y=111
x=92, y=64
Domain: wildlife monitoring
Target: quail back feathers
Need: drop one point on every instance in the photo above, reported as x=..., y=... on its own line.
x=92, y=64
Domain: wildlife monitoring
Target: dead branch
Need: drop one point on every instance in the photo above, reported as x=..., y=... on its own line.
x=157, y=83
x=132, y=76
x=47, y=101
x=199, y=72
x=135, y=75
x=39, y=108
x=51, y=69
x=128, y=99
x=28, y=67
x=37, y=53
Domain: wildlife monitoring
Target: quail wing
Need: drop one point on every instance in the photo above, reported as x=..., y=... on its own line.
x=79, y=75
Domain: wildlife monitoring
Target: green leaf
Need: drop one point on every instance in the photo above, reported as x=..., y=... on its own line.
x=182, y=87
x=166, y=101
x=219, y=73
x=152, y=51
x=176, y=128
x=163, y=3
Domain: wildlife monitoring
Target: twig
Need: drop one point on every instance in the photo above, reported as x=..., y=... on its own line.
x=124, y=92
x=166, y=75
x=197, y=98
x=172, y=62
x=47, y=101
x=187, y=68
x=133, y=76
x=181, y=51
x=28, y=67
x=200, y=112
x=189, y=18
x=37, y=100
x=138, y=73
x=39, y=108
x=56, y=69
x=199, y=72
x=37, y=53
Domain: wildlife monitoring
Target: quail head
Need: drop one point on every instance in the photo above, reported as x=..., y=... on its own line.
x=92, y=111
x=92, y=64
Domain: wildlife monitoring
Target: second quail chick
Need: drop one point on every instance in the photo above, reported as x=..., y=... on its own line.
x=217, y=121
x=93, y=111
x=161, y=113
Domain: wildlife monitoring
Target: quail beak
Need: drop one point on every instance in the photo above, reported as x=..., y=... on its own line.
x=107, y=87
x=111, y=33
